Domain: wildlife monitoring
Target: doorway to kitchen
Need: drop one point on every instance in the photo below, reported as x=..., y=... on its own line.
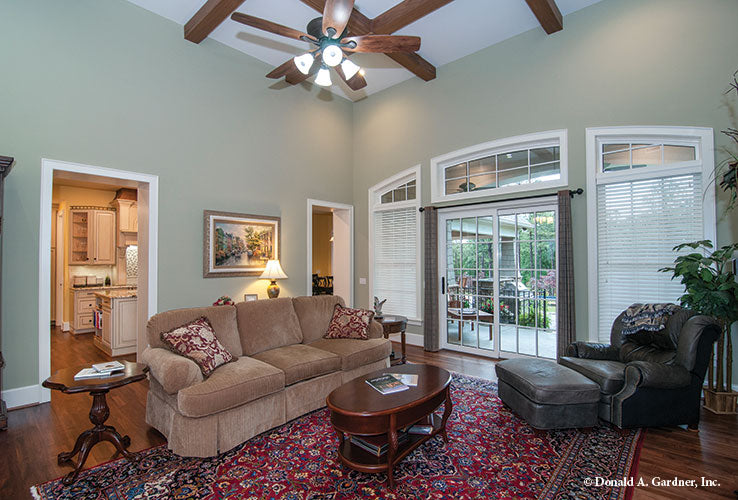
x=330, y=249
x=497, y=269
x=103, y=235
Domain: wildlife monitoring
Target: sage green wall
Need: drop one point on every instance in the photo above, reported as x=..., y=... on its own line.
x=107, y=83
x=618, y=62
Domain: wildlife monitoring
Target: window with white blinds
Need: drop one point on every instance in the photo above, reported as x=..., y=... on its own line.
x=394, y=243
x=395, y=260
x=638, y=225
x=649, y=191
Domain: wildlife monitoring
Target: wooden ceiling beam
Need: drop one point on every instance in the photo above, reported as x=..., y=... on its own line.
x=404, y=13
x=548, y=14
x=359, y=24
x=208, y=18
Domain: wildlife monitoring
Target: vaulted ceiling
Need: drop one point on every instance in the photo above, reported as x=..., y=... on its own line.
x=449, y=30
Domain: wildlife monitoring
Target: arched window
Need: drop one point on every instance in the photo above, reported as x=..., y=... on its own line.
x=394, y=233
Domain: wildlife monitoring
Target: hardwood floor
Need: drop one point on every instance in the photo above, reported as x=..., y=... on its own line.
x=37, y=434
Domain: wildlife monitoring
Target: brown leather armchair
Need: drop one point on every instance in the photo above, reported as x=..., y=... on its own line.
x=649, y=379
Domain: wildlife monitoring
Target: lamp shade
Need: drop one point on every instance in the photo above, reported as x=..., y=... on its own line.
x=273, y=271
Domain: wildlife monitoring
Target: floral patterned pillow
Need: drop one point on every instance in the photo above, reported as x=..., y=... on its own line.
x=348, y=323
x=196, y=340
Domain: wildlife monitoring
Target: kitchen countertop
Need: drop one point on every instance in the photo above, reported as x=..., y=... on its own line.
x=102, y=287
x=117, y=294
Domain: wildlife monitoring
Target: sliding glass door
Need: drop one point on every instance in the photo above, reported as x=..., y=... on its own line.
x=497, y=266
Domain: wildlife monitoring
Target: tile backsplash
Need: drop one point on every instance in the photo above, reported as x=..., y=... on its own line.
x=131, y=263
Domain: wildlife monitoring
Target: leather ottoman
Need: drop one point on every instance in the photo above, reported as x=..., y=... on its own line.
x=548, y=395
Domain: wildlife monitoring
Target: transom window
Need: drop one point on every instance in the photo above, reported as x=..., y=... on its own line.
x=520, y=163
x=400, y=193
x=629, y=155
x=504, y=169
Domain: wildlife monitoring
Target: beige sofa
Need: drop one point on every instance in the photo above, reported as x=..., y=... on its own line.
x=284, y=369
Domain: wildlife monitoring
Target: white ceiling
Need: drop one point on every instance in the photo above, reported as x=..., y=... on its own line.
x=481, y=22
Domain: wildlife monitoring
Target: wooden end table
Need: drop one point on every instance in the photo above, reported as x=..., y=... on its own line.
x=358, y=409
x=395, y=324
x=63, y=380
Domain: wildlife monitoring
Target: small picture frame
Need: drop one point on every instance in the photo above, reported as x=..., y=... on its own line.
x=248, y=297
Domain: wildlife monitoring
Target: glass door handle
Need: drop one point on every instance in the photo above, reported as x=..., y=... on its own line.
x=443, y=285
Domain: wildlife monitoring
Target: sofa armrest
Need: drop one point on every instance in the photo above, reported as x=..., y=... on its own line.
x=172, y=371
x=588, y=350
x=656, y=375
x=375, y=330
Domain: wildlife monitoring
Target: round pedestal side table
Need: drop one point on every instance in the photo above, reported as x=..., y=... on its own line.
x=63, y=380
x=395, y=324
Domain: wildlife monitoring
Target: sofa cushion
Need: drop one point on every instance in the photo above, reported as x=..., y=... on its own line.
x=196, y=340
x=355, y=353
x=349, y=323
x=314, y=314
x=222, y=319
x=266, y=324
x=300, y=362
x=609, y=375
x=231, y=385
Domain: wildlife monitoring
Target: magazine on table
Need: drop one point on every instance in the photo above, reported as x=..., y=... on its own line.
x=377, y=445
x=109, y=367
x=386, y=384
x=409, y=379
x=86, y=373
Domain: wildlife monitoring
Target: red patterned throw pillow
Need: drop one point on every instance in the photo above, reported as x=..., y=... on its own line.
x=348, y=323
x=196, y=340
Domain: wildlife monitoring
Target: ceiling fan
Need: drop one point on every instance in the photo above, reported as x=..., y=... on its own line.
x=329, y=36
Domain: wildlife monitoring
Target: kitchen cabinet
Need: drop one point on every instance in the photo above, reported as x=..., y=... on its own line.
x=127, y=216
x=119, y=310
x=92, y=237
x=83, y=305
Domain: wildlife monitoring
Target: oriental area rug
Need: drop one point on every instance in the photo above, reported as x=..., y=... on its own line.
x=492, y=453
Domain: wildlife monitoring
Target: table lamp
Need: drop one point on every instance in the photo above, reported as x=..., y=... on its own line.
x=273, y=272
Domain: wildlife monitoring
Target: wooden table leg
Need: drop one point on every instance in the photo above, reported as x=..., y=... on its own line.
x=446, y=413
x=99, y=413
x=391, y=451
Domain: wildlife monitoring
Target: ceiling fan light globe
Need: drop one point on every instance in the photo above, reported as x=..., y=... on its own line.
x=324, y=78
x=349, y=69
x=304, y=62
x=332, y=55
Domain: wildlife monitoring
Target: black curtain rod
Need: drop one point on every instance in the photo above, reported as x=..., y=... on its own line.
x=572, y=192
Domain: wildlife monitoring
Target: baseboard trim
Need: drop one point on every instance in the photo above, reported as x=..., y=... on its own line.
x=410, y=338
x=22, y=396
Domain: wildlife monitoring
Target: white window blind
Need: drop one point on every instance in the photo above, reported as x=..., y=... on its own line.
x=395, y=260
x=638, y=224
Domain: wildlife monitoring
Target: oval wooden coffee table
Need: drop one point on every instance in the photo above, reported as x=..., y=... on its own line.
x=358, y=409
x=63, y=380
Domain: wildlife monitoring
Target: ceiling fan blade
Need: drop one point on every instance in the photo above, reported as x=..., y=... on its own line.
x=382, y=43
x=282, y=69
x=357, y=82
x=271, y=27
x=295, y=76
x=336, y=15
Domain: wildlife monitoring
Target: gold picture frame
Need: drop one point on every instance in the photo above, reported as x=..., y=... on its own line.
x=237, y=244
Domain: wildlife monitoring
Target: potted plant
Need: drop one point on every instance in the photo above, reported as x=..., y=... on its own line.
x=711, y=289
x=726, y=173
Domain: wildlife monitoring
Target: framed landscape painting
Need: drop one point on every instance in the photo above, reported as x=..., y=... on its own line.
x=238, y=244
